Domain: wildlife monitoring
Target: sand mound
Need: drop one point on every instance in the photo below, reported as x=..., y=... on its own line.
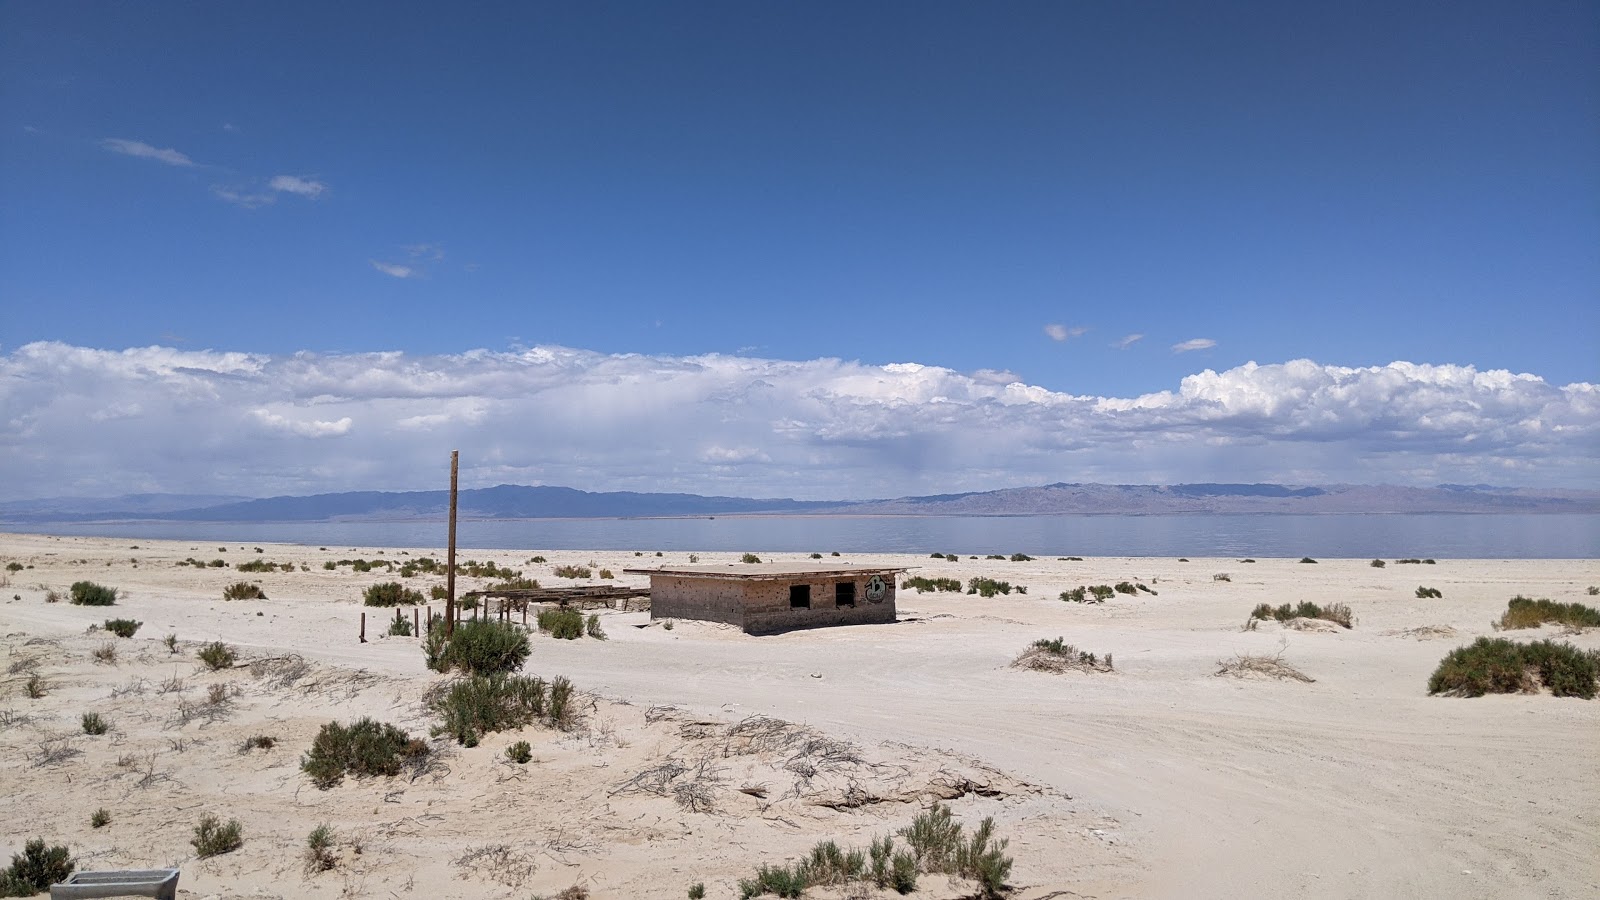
x=1261, y=667
x=1426, y=632
x=1321, y=626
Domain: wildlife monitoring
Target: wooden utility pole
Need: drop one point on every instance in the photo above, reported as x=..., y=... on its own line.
x=450, y=560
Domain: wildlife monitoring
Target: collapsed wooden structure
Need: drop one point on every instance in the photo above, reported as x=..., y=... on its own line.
x=589, y=596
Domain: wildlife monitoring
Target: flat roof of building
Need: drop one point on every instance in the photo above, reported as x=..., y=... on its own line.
x=768, y=571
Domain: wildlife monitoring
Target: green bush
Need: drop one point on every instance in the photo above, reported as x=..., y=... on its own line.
x=520, y=752
x=479, y=646
x=988, y=587
x=1377, y=564
x=697, y=891
x=390, y=593
x=319, y=849
x=212, y=838
x=87, y=593
x=100, y=818
x=243, y=590
x=125, y=628
x=13, y=567
x=1424, y=593
x=400, y=626
x=1522, y=612
x=1021, y=557
x=516, y=584
x=34, y=869
x=1338, y=613
x=1123, y=587
x=364, y=748
x=592, y=628
x=1501, y=666
x=938, y=847
x=482, y=704
x=258, y=565
x=566, y=624
x=94, y=724
x=573, y=572
x=924, y=585
x=216, y=655
x=1413, y=562
x=1101, y=591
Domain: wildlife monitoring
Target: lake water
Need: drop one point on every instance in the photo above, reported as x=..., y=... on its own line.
x=1389, y=536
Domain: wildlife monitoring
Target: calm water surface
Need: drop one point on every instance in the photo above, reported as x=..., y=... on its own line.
x=1456, y=536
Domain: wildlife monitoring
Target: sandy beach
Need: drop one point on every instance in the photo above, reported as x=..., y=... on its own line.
x=1158, y=779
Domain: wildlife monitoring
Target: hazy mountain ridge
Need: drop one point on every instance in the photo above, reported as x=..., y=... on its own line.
x=526, y=502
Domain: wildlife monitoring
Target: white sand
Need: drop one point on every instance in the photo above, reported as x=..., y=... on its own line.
x=1157, y=780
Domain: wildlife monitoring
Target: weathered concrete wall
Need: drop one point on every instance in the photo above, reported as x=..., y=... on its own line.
x=762, y=607
x=706, y=599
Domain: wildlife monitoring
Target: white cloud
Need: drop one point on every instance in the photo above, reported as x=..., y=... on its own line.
x=298, y=185
x=394, y=269
x=76, y=420
x=242, y=198
x=1194, y=344
x=1059, y=332
x=145, y=151
x=1128, y=340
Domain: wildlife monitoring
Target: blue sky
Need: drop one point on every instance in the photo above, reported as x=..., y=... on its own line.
x=1089, y=200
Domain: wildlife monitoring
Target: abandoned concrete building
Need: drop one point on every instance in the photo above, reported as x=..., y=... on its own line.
x=763, y=598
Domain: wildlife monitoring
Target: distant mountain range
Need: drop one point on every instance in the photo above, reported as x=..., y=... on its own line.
x=509, y=501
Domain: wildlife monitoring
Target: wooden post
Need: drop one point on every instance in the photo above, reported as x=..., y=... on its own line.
x=450, y=561
x=416, y=626
x=363, y=628
x=524, y=614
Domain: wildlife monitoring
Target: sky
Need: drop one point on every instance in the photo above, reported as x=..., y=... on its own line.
x=821, y=250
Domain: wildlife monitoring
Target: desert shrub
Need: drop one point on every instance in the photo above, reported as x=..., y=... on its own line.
x=399, y=626
x=1501, y=666
x=1522, y=612
x=538, y=559
x=988, y=587
x=257, y=565
x=34, y=869
x=1101, y=591
x=243, y=590
x=13, y=567
x=1413, y=562
x=171, y=643
x=478, y=647
x=105, y=653
x=1056, y=655
x=1377, y=564
x=573, y=572
x=258, y=742
x=520, y=752
x=1021, y=557
x=100, y=818
x=1077, y=595
x=566, y=624
x=930, y=556
x=750, y=558
x=1222, y=576
x=1424, y=593
x=937, y=845
x=212, y=838
x=330, y=565
x=605, y=575
x=367, y=747
x=87, y=593
x=592, y=628
x=94, y=724
x=319, y=849
x=482, y=704
x=438, y=592
x=124, y=628
x=1307, y=559
x=697, y=891
x=516, y=584
x=1338, y=613
x=217, y=564
x=925, y=585
x=1594, y=591
x=1123, y=587
x=52, y=596
x=216, y=655
x=390, y=593
x=34, y=687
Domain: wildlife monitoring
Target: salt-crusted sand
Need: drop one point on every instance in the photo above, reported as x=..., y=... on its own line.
x=1159, y=779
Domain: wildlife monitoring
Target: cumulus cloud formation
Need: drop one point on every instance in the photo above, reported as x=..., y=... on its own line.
x=82, y=421
x=1194, y=344
x=145, y=151
x=295, y=184
x=1059, y=332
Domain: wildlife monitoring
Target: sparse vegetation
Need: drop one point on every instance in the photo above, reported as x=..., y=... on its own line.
x=573, y=572
x=399, y=626
x=566, y=624
x=593, y=629
x=1338, y=613
x=1055, y=655
x=987, y=587
x=390, y=593
x=171, y=643
x=94, y=724
x=1307, y=559
x=100, y=818
x=106, y=653
x=1249, y=665
x=1425, y=593
x=1523, y=612
x=258, y=742
x=925, y=585
x=243, y=590
x=478, y=647
x=212, y=838
x=123, y=628
x=605, y=575
x=481, y=704
x=1123, y=587
x=319, y=849
x=516, y=584
x=1377, y=564
x=750, y=558
x=87, y=593
x=1501, y=666
x=697, y=891
x=1021, y=557
x=216, y=655
x=1222, y=576
x=364, y=748
x=520, y=752
x=34, y=869
x=1413, y=562
x=34, y=686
